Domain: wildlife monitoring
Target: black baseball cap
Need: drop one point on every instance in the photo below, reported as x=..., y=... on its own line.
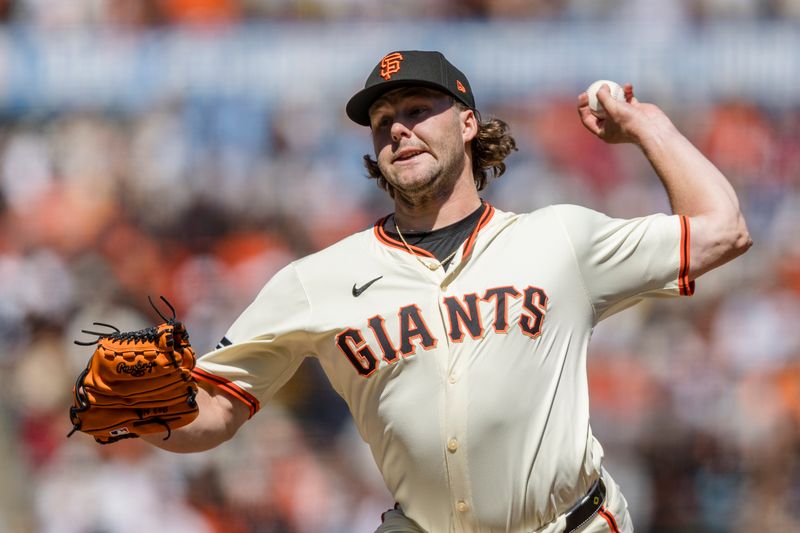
x=409, y=67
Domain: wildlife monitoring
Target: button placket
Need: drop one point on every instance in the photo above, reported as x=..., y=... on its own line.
x=455, y=415
x=455, y=431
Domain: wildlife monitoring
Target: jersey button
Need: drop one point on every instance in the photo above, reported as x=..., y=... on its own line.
x=462, y=506
x=452, y=445
x=452, y=380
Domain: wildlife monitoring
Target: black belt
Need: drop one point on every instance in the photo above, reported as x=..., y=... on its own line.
x=587, y=507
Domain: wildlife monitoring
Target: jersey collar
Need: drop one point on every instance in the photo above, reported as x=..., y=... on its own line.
x=384, y=238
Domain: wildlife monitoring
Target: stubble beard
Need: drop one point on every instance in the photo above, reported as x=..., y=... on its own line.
x=436, y=186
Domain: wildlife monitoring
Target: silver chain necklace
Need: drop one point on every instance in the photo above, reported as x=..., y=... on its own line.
x=434, y=265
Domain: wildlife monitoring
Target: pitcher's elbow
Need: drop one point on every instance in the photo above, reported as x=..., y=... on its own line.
x=741, y=241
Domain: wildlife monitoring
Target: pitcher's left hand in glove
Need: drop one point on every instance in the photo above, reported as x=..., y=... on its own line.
x=136, y=383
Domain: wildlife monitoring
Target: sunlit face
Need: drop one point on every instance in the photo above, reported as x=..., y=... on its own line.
x=420, y=141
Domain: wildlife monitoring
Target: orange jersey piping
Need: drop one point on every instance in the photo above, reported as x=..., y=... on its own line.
x=383, y=236
x=485, y=218
x=612, y=523
x=230, y=387
x=685, y=285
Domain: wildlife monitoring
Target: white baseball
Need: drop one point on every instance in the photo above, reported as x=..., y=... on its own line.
x=617, y=92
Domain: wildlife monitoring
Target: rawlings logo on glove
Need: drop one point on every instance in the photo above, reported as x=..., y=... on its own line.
x=137, y=370
x=136, y=382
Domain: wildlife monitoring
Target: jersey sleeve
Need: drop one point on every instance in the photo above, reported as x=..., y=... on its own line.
x=265, y=345
x=622, y=261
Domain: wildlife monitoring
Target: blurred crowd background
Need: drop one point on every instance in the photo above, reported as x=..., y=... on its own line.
x=149, y=13
x=118, y=182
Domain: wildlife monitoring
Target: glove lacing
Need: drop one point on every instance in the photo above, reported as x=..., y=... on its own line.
x=150, y=334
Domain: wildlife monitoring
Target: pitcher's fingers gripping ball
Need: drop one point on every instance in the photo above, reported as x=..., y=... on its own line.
x=616, y=90
x=136, y=382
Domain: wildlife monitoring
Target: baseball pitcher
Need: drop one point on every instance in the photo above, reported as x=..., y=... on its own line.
x=456, y=332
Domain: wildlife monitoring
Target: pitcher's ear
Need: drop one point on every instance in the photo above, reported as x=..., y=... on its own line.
x=469, y=124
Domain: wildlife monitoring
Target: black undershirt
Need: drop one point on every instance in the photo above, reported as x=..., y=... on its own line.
x=443, y=241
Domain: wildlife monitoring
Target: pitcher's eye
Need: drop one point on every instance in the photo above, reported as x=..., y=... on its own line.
x=381, y=123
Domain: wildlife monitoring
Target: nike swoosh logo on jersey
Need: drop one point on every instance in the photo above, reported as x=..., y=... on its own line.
x=358, y=290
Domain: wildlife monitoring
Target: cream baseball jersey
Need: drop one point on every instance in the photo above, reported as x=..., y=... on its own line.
x=469, y=385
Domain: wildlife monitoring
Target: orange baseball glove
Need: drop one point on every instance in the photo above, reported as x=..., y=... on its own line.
x=136, y=382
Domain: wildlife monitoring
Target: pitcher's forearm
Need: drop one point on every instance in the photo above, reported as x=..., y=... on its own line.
x=187, y=440
x=219, y=419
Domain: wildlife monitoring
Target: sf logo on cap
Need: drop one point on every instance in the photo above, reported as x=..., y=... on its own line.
x=390, y=64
